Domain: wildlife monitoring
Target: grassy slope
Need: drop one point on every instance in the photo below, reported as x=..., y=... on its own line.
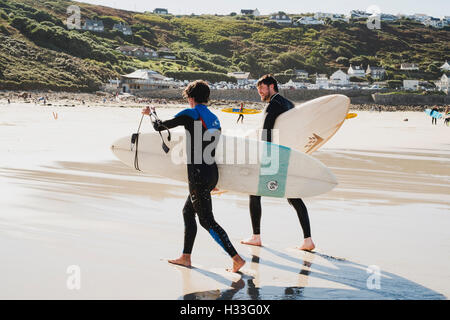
x=210, y=43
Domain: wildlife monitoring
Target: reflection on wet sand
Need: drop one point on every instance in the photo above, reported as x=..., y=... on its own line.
x=394, y=178
x=308, y=267
x=381, y=178
x=103, y=180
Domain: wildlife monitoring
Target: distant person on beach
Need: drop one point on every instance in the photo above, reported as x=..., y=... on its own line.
x=241, y=116
x=433, y=119
x=203, y=173
x=268, y=90
x=9, y=101
x=446, y=117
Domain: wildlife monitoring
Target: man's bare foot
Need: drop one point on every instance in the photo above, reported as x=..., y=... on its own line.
x=308, y=245
x=184, y=260
x=238, y=263
x=255, y=240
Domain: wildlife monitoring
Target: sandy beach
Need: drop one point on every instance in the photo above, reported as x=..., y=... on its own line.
x=67, y=201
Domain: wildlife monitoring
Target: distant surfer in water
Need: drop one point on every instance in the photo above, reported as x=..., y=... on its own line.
x=202, y=131
x=241, y=116
x=268, y=90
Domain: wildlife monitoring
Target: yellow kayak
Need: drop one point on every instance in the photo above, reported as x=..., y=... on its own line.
x=244, y=111
x=351, y=116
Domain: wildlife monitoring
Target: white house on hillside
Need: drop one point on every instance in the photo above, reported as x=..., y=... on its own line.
x=332, y=16
x=358, y=14
x=140, y=52
x=443, y=84
x=144, y=79
x=248, y=12
x=94, y=25
x=409, y=66
x=340, y=17
x=377, y=73
x=322, y=15
x=301, y=74
x=339, y=78
x=433, y=22
x=309, y=21
x=322, y=81
x=445, y=67
x=161, y=11
x=281, y=18
x=420, y=17
x=388, y=17
x=241, y=77
x=356, y=71
x=124, y=28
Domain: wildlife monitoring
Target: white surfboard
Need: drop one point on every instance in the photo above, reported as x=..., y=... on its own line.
x=243, y=164
x=309, y=125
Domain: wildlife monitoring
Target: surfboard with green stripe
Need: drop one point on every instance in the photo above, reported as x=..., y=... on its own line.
x=274, y=170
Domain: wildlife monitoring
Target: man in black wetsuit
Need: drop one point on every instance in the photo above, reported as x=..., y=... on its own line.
x=202, y=130
x=268, y=90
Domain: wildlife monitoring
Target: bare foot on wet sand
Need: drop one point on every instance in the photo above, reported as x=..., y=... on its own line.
x=308, y=245
x=255, y=240
x=238, y=263
x=184, y=260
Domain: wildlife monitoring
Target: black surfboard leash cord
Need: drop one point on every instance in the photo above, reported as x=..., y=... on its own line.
x=135, y=142
x=135, y=138
x=164, y=145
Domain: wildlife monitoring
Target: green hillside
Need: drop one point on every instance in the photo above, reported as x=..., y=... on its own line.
x=37, y=50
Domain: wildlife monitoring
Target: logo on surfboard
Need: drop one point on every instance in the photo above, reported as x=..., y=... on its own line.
x=313, y=142
x=272, y=185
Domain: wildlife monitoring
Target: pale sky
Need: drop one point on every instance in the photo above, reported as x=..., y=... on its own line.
x=436, y=8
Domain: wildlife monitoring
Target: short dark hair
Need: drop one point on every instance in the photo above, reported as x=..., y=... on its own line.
x=199, y=90
x=268, y=79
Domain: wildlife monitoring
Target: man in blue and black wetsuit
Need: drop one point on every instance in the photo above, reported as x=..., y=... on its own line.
x=202, y=135
x=268, y=90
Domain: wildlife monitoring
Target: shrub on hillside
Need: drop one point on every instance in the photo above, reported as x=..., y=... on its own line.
x=55, y=37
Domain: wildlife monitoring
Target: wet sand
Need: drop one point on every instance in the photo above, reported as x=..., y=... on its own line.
x=66, y=201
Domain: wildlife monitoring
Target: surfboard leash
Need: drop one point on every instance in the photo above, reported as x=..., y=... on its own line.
x=135, y=142
x=164, y=145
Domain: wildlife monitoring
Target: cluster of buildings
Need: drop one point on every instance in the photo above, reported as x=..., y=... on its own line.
x=355, y=77
x=338, y=79
x=143, y=80
x=429, y=20
x=320, y=18
x=146, y=53
x=98, y=26
x=342, y=80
